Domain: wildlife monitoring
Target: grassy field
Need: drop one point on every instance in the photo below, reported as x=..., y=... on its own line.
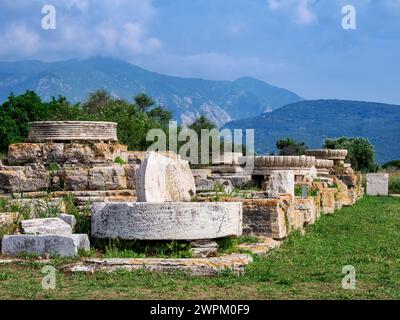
x=366, y=236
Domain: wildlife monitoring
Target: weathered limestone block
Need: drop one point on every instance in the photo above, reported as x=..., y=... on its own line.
x=43, y=245
x=226, y=157
x=261, y=248
x=309, y=209
x=201, y=173
x=204, y=185
x=267, y=217
x=161, y=179
x=107, y=178
x=239, y=181
x=280, y=182
x=69, y=219
x=65, y=153
x=351, y=180
x=227, y=169
x=166, y=221
x=343, y=197
x=52, y=153
x=94, y=153
x=24, y=179
x=195, y=267
x=45, y=226
x=296, y=220
x=76, y=179
x=204, y=248
x=130, y=174
x=22, y=153
x=7, y=218
x=377, y=184
x=328, y=201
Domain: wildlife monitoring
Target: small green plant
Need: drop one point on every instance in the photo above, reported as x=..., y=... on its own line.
x=230, y=244
x=53, y=168
x=311, y=192
x=297, y=191
x=119, y=160
x=218, y=187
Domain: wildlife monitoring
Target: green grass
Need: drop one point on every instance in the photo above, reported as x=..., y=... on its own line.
x=366, y=236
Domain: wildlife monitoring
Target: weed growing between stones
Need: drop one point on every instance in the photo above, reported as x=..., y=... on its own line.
x=230, y=244
x=82, y=216
x=116, y=248
x=119, y=161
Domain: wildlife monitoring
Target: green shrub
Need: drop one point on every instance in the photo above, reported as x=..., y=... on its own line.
x=392, y=165
x=361, y=152
x=394, y=183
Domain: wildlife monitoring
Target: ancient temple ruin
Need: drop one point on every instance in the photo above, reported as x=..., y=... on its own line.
x=149, y=196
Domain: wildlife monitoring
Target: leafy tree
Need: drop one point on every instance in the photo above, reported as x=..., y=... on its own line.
x=16, y=113
x=144, y=102
x=160, y=114
x=395, y=164
x=133, y=121
x=200, y=123
x=97, y=100
x=290, y=147
x=361, y=152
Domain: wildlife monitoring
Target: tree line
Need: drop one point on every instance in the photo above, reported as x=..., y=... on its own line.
x=135, y=118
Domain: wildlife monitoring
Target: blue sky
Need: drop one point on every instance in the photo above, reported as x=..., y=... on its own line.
x=296, y=44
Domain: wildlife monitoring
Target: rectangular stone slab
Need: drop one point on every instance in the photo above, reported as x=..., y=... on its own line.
x=377, y=184
x=46, y=226
x=195, y=267
x=166, y=221
x=42, y=245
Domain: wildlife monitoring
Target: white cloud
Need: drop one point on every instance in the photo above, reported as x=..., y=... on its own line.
x=84, y=28
x=17, y=38
x=215, y=65
x=299, y=10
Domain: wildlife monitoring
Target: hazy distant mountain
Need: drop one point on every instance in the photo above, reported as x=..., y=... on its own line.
x=221, y=101
x=314, y=121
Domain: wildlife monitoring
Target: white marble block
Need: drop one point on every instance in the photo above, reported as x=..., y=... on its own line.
x=166, y=221
x=377, y=184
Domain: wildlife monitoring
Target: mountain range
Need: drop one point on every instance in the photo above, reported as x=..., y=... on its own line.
x=314, y=121
x=273, y=112
x=187, y=98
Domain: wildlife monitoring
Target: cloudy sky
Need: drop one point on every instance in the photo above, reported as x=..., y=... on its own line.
x=296, y=44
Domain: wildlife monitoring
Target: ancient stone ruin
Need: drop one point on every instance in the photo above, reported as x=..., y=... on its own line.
x=157, y=196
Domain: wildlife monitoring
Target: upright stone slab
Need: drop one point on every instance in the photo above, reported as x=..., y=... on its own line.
x=377, y=184
x=166, y=221
x=42, y=245
x=162, y=179
x=280, y=182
